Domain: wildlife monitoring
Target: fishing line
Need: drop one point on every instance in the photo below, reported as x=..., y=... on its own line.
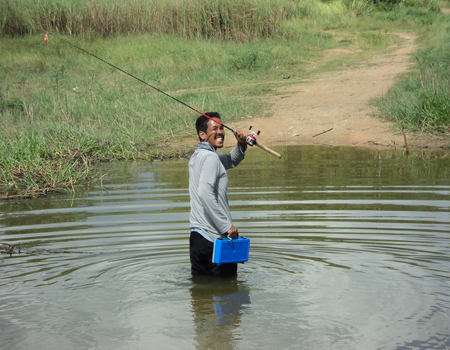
x=251, y=140
x=138, y=79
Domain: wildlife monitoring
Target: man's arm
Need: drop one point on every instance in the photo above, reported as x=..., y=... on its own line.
x=237, y=154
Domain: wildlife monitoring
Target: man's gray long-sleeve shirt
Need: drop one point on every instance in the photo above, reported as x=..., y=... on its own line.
x=208, y=186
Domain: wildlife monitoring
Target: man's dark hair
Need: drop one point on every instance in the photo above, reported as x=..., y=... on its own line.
x=202, y=122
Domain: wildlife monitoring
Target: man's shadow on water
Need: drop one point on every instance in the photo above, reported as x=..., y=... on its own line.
x=218, y=304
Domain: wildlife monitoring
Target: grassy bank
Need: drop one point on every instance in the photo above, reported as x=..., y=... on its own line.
x=421, y=100
x=62, y=111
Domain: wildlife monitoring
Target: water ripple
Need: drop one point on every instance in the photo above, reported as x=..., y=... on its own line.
x=337, y=260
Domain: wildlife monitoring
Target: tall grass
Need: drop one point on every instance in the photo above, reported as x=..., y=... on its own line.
x=225, y=19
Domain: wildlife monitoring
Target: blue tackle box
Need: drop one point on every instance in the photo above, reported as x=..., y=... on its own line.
x=231, y=250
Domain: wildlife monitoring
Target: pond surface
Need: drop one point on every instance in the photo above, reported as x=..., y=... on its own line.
x=350, y=249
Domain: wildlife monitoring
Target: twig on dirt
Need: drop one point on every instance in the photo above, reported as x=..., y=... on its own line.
x=377, y=144
x=323, y=132
x=437, y=133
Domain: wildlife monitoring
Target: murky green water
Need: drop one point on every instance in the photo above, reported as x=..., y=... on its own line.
x=350, y=249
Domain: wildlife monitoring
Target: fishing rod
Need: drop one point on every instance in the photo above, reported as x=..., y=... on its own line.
x=251, y=140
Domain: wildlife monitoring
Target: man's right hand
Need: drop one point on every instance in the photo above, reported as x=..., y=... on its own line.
x=232, y=232
x=241, y=137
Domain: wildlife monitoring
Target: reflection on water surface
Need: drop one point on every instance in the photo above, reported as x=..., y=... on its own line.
x=350, y=249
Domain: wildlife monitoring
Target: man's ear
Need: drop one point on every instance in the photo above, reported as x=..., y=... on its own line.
x=202, y=135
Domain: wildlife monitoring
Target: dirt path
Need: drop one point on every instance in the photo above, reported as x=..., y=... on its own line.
x=340, y=101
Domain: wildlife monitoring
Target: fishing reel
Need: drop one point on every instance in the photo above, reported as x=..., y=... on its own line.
x=251, y=139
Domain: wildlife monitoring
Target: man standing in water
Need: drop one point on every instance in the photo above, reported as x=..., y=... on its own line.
x=210, y=216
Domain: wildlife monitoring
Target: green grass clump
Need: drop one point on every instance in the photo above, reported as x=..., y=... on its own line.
x=34, y=165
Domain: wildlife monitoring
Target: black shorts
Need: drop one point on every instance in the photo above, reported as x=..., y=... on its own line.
x=201, y=251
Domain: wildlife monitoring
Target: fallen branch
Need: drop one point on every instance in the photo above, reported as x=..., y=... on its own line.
x=377, y=144
x=323, y=132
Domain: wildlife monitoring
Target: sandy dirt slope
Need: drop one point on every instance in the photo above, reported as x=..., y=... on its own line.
x=340, y=101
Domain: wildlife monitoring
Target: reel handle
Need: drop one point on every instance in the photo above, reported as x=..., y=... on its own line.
x=267, y=149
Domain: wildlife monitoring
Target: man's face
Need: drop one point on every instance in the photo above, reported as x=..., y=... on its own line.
x=215, y=134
